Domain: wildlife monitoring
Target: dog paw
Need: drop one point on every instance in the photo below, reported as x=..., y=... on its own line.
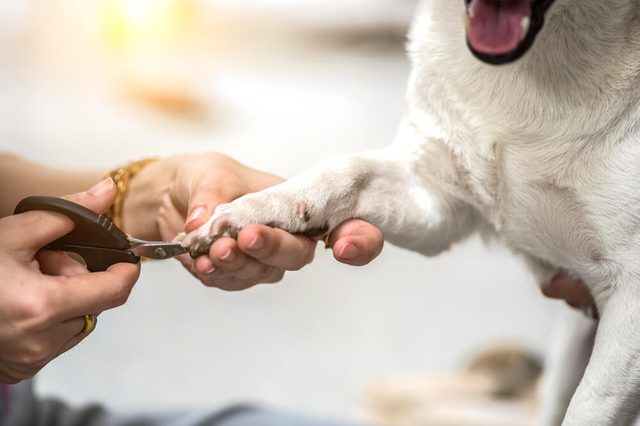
x=286, y=211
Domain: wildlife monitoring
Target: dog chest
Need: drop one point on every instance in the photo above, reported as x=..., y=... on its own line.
x=578, y=209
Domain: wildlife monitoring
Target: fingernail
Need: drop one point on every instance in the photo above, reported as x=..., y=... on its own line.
x=348, y=252
x=102, y=187
x=196, y=213
x=257, y=243
x=228, y=256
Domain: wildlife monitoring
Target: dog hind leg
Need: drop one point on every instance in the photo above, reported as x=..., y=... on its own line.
x=609, y=393
x=565, y=363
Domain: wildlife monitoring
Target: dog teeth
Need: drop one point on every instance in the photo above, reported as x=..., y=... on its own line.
x=466, y=19
x=525, y=24
x=470, y=12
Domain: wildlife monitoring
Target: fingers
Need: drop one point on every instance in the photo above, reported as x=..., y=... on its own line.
x=64, y=331
x=260, y=255
x=7, y=379
x=98, y=198
x=58, y=263
x=75, y=338
x=218, y=278
x=70, y=344
x=96, y=292
x=573, y=291
x=276, y=247
x=210, y=180
x=227, y=282
x=225, y=258
x=235, y=272
x=170, y=221
x=35, y=350
x=204, y=198
x=74, y=327
x=30, y=231
x=356, y=242
x=44, y=295
x=26, y=233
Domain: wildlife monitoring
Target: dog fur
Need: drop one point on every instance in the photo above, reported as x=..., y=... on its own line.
x=544, y=153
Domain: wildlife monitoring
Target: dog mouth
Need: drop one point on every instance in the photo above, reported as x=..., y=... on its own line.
x=501, y=31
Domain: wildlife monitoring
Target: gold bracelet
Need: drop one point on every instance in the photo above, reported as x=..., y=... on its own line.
x=121, y=178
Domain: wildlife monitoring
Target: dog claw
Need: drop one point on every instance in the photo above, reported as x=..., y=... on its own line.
x=222, y=227
x=201, y=247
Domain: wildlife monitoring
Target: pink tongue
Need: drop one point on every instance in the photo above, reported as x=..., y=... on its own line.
x=496, y=26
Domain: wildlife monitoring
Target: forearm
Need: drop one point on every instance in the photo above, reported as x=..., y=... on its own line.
x=145, y=193
x=20, y=178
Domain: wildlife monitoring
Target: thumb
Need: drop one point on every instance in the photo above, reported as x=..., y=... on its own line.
x=356, y=242
x=30, y=231
x=203, y=201
x=98, y=198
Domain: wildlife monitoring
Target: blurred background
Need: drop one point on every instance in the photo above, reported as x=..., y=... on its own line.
x=279, y=84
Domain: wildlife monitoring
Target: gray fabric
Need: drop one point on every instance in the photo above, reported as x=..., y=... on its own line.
x=25, y=410
x=21, y=409
x=266, y=418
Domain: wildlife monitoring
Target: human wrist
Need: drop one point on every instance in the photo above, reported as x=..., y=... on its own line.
x=140, y=196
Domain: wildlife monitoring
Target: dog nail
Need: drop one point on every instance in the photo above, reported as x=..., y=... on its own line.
x=210, y=271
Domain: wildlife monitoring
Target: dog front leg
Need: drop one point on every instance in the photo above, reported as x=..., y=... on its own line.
x=397, y=189
x=609, y=393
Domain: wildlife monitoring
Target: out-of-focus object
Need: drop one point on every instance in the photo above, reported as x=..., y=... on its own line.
x=147, y=26
x=164, y=92
x=326, y=14
x=154, y=46
x=495, y=389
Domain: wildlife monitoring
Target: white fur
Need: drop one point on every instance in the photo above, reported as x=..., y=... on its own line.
x=544, y=152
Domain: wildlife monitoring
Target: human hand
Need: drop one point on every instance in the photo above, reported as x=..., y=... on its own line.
x=573, y=291
x=45, y=294
x=190, y=190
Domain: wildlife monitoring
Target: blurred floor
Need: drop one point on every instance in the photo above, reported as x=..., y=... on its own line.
x=311, y=342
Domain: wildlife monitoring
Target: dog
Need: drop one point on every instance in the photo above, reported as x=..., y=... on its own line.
x=523, y=122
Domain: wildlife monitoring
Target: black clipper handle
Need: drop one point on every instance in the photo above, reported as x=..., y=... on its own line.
x=98, y=241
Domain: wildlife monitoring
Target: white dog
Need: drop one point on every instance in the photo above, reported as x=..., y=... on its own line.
x=527, y=130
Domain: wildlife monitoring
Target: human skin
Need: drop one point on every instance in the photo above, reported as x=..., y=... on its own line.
x=572, y=291
x=181, y=193
x=165, y=192
x=46, y=294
